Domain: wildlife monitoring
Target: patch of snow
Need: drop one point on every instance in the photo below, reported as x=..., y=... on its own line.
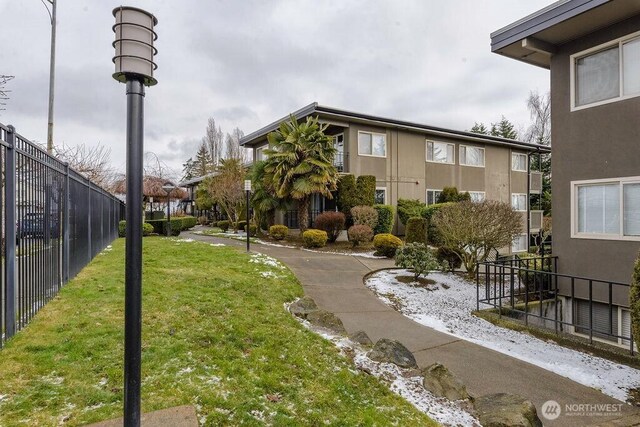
x=269, y=275
x=277, y=245
x=186, y=370
x=188, y=240
x=266, y=260
x=52, y=379
x=217, y=245
x=3, y=397
x=258, y=415
x=93, y=407
x=449, y=311
x=369, y=254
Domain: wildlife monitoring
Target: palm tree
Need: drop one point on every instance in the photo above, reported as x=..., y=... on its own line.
x=264, y=199
x=300, y=163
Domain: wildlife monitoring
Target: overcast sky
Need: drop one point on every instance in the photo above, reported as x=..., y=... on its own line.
x=247, y=63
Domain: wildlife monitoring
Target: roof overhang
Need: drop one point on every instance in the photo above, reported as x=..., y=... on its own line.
x=535, y=38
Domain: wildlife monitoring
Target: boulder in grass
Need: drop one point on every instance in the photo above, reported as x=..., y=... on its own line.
x=327, y=320
x=390, y=351
x=439, y=381
x=502, y=410
x=361, y=337
x=302, y=307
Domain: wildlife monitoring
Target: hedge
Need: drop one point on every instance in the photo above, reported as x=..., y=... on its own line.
x=347, y=195
x=385, y=219
x=433, y=235
x=366, y=190
x=416, y=231
x=278, y=232
x=189, y=222
x=634, y=301
x=160, y=226
x=408, y=208
x=223, y=225
x=147, y=229
x=314, y=238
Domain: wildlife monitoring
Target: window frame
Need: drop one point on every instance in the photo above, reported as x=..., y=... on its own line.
x=620, y=236
x=484, y=154
x=385, y=194
x=526, y=162
x=435, y=198
x=261, y=150
x=372, y=133
x=426, y=148
x=525, y=202
x=619, y=42
x=484, y=194
x=525, y=244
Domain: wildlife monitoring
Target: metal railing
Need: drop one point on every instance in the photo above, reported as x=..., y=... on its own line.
x=340, y=161
x=291, y=218
x=54, y=221
x=531, y=289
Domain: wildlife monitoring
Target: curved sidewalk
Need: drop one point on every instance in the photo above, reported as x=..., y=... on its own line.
x=335, y=283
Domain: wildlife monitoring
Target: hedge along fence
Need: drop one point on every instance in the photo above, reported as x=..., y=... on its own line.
x=386, y=215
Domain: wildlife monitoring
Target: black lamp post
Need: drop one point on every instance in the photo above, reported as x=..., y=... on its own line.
x=168, y=187
x=134, y=66
x=247, y=189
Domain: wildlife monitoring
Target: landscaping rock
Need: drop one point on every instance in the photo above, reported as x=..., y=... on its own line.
x=506, y=410
x=303, y=307
x=327, y=320
x=361, y=337
x=439, y=381
x=390, y=351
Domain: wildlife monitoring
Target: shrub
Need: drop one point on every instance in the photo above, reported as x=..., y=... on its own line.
x=176, y=226
x=252, y=229
x=359, y=234
x=147, y=229
x=332, y=223
x=364, y=215
x=448, y=258
x=385, y=219
x=417, y=257
x=433, y=234
x=122, y=228
x=312, y=238
x=416, y=231
x=223, y=225
x=366, y=190
x=347, y=195
x=189, y=222
x=157, y=225
x=409, y=208
x=634, y=301
x=203, y=220
x=386, y=244
x=538, y=279
x=278, y=232
x=451, y=194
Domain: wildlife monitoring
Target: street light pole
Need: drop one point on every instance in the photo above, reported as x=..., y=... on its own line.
x=52, y=73
x=168, y=187
x=247, y=189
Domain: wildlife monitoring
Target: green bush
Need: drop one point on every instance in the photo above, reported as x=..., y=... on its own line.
x=359, y=234
x=122, y=228
x=189, y=222
x=366, y=190
x=347, y=196
x=147, y=229
x=252, y=229
x=416, y=231
x=449, y=258
x=409, y=208
x=223, y=225
x=451, y=194
x=157, y=225
x=634, y=301
x=385, y=219
x=534, y=280
x=386, y=244
x=176, y=226
x=313, y=238
x=433, y=235
x=278, y=232
x=417, y=257
x=332, y=223
x=364, y=215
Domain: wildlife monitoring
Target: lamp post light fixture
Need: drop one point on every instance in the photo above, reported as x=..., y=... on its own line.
x=134, y=53
x=168, y=187
x=247, y=189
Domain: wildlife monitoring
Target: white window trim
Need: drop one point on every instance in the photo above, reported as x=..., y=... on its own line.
x=484, y=193
x=385, y=193
x=426, y=148
x=426, y=195
x=372, y=155
x=484, y=156
x=521, y=250
x=525, y=201
x=572, y=72
x=261, y=150
x=525, y=162
x=574, y=211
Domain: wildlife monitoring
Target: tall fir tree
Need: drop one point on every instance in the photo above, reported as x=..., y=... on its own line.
x=203, y=165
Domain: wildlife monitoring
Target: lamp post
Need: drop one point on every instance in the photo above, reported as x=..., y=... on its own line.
x=151, y=207
x=134, y=52
x=247, y=189
x=168, y=187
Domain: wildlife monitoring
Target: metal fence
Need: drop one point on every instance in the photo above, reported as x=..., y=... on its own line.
x=53, y=222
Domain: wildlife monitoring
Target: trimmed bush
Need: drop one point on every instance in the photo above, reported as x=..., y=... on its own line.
x=416, y=231
x=386, y=244
x=634, y=301
x=122, y=228
x=409, y=208
x=252, y=229
x=449, y=258
x=176, y=226
x=147, y=229
x=359, y=234
x=417, y=257
x=313, y=238
x=223, y=225
x=433, y=235
x=332, y=223
x=278, y=232
x=188, y=222
x=366, y=190
x=364, y=215
x=347, y=196
x=157, y=225
x=451, y=194
x=385, y=219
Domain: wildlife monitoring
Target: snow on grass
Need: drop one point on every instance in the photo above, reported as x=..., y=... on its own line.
x=449, y=310
x=259, y=258
x=217, y=245
x=369, y=254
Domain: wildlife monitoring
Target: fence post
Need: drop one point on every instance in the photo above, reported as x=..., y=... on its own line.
x=66, y=250
x=89, y=234
x=10, y=233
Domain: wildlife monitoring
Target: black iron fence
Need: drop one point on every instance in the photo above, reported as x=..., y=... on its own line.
x=531, y=290
x=291, y=218
x=53, y=222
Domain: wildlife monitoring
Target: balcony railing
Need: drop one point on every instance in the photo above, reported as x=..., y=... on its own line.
x=340, y=161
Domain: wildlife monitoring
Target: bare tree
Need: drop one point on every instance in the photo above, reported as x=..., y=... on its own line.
x=233, y=148
x=4, y=93
x=214, y=141
x=226, y=188
x=94, y=163
x=154, y=167
x=473, y=229
x=540, y=111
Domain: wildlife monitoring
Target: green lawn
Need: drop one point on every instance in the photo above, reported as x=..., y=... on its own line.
x=215, y=335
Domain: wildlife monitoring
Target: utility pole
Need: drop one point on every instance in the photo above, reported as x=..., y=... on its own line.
x=52, y=75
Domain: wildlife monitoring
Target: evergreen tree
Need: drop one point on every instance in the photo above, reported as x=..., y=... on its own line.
x=479, y=128
x=187, y=170
x=202, y=165
x=504, y=129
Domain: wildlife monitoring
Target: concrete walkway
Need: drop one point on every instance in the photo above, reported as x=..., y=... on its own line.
x=335, y=283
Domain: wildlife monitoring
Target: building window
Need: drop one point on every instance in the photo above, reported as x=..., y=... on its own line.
x=372, y=144
x=519, y=202
x=440, y=152
x=381, y=196
x=477, y=196
x=338, y=159
x=260, y=154
x=606, y=73
x=607, y=208
x=518, y=162
x=519, y=244
x=471, y=156
x=432, y=196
